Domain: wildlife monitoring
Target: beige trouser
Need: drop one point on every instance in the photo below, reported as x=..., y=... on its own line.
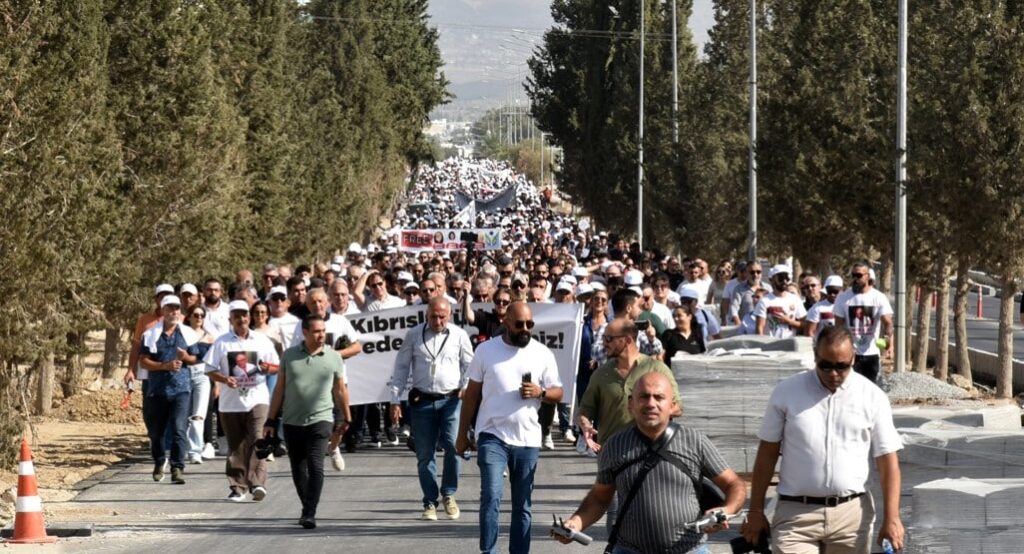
x=243, y=429
x=814, y=529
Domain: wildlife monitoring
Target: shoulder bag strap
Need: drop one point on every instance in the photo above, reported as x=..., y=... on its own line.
x=653, y=457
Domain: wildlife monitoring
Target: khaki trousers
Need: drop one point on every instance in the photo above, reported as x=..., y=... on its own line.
x=814, y=529
x=243, y=429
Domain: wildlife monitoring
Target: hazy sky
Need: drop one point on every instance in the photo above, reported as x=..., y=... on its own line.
x=490, y=40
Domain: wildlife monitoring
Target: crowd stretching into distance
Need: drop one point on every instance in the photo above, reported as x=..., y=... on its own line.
x=231, y=367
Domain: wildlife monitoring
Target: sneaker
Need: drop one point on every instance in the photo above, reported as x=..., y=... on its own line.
x=392, y=438
x=569, y=436
x=549, y=443
x=337, y=460
x=429, y=513
x=280, y=449
x=307, y=523
x=208, y=452
x=405, y=431
x=451, y=507
x=222, y=447
x=177, y=476
x=375, y=444
x=236, y=496
x=258, y=494
x=270, y=457
x=195, y=458
x=158, y=473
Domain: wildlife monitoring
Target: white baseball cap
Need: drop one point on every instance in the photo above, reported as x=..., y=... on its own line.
x=568, y=279
x=163, y=288
x=277, y=290
x=355, y=247
x=170, y=299
x=633, y=278
x=564, y=286
x=404, y=276
x=584, y=289
x=834, y=281
x=597, y=285
x=238, y=306
x=189, y=288
x=777, y=269
x=690, y=293
x=580, y=271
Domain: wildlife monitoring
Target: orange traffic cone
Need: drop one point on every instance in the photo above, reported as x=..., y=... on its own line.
x=28, y=518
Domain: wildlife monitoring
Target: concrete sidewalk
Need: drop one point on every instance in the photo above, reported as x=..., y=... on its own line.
x=372, y=506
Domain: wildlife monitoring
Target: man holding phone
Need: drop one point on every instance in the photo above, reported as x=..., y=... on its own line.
x=509, y=378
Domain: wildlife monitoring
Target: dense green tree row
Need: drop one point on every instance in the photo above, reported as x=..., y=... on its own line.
x=144, y=141
x=826, y=149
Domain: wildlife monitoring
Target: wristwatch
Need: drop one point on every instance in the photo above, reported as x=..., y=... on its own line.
x=543, y=394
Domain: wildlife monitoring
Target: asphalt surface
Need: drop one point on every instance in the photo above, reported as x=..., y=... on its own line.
x=983, y=333
x=371, y=506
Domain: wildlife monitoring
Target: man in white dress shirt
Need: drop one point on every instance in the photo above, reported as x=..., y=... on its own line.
x=436, y=355
x=825, y=422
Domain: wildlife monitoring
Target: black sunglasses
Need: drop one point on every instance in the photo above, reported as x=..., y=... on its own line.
x=838, y=367
x=502, y=302
x=856, y=275
x=528, y=324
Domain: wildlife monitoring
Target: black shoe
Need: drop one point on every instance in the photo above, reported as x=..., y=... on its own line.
x=410, y=443
x=307, y=522
x=280, y=450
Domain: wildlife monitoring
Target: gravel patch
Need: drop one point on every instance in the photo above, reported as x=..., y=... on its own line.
x=918, y=386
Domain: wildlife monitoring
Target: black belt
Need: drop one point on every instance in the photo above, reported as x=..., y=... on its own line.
x=830, y=501
x=432, y=396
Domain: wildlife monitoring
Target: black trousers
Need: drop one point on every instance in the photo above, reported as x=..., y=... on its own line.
x=370, y=414
x=307, y=446
x=868, y=366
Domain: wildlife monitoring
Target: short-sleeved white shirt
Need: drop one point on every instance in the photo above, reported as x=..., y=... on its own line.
x=821, y=313
x=335, y=325
x=500, y=367
x=827, y=437
x=286, y=325
x=217, y=320
x=787, y=304
x=252, y=390
x=862, y=314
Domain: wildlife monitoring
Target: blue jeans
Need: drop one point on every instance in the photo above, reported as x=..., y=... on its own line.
x=168, y=415
x=493, y=457
x=431, y=421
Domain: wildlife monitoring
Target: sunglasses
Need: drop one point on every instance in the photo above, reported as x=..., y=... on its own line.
x=528, y=324
x=377, y=284
x=755, y=272
x=502, y=302
x=518, y=286
x=856, y=275
x=600, y=300
x=837, y=367
x=428, y=290
x=200, y=316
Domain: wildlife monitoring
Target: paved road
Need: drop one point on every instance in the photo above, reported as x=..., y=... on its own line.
x=373, y=506
x=983, y=333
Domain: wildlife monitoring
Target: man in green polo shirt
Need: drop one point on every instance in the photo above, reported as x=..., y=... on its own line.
x=607, y=395
x=310, y=376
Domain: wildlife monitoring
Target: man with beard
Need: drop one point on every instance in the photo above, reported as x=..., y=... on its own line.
x=217, y=311
x=866, y=312
x=666, y=495
x=821, y=315
x=741, y=302
x=509, y=378
x=488, y=323
x=780, y=313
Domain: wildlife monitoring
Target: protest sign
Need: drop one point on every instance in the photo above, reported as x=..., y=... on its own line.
x=558, y=326
x=429, y=240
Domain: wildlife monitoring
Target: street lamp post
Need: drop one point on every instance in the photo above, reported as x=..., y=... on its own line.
x=640, y=139
x=752, y=146
x=675, y=78
x=901, y=193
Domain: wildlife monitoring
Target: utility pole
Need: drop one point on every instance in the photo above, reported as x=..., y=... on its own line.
x=640, y=139
x=901, y=193
x=675, y=78
x=752, y=146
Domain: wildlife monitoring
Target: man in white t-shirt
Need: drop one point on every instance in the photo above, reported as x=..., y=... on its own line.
x=780, y=313
x=241, y=359
x=820, y=315
x=867, y=313
x=509, y=377
x=697, y=278
x=280, y=317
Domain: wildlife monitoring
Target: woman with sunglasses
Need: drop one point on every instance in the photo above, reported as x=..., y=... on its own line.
x=688, y=335
x=722, y=276
x=200, y=424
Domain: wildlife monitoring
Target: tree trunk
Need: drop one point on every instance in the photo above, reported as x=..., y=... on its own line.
x=111, y=338
x=924, y=317
x=1004, y=380
x=942, y=326
x=44, y=391
x=963, y=286
x=885, y=283
x=74, y=367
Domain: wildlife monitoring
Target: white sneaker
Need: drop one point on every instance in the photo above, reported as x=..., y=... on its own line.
x=549, y=443
x=569, y=436
x=208, y=452
x=337, y=460
x=270, y=457
x=259, y=493
x=405, y=431
x=195, y=458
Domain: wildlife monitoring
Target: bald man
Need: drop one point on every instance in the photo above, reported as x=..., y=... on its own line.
x=511, y=375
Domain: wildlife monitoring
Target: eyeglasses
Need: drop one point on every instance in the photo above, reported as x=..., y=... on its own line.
x=428, y=290
x=838, y=367
x=528, y=324
x=278, y=298
x=502, y=302
x=198, y=316
x=647, y=298
x=377, y=284
x=260, y=312
x=600, y=300
x=856, y=275
x=662, y=286
x=609, y=338
x=755, y=272
x=518, y=286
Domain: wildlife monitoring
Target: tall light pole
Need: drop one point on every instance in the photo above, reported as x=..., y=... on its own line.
x=901, y=193
x=675, y=78
x=752, y=146
x=542, y=133
x=640, y=139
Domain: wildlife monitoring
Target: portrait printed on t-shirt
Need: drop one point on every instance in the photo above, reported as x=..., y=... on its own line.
x=861, y=320
x=243, y=367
